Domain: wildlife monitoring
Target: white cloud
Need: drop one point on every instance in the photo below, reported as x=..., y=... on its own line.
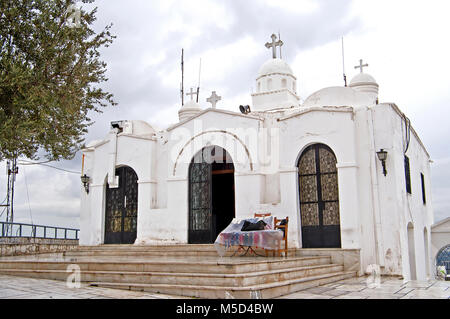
x=404, y=42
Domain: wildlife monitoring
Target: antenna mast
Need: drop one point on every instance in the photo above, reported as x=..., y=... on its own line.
x=182, y=77
x=343, y=63
x=279, y=38
x=199, y=72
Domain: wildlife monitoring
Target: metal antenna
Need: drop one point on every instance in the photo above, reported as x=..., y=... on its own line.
x=199, y=72
x=279, y=38
x=182, y=77
x=343, y=63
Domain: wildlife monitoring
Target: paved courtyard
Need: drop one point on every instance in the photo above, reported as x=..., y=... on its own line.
x=355, y=288
x=388, y=288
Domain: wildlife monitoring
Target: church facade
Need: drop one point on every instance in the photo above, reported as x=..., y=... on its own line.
x=349, y=171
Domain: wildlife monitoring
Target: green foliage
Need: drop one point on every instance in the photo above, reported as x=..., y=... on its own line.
x=50, y=71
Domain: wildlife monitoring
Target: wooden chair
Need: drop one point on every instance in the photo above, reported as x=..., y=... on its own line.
x=277, y=225
x=263, y=215
x=284, y=228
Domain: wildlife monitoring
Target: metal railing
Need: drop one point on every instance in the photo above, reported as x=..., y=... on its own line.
x=20, y=230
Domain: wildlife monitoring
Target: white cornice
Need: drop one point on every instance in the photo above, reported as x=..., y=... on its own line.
x=248, y=116
x=340, y=109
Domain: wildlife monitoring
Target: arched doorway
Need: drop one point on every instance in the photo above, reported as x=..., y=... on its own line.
x=427, y=254
x=319, y=198
x=121, y=208
x=443, y=258
x=412, y=252
x=211, y=194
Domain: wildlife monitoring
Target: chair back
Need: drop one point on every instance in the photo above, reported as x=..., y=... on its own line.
x=263, y=214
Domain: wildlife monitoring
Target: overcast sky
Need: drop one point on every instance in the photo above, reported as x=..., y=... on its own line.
x=405, y=44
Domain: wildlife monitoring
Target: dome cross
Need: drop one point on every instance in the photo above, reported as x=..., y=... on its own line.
x=274, y=44
x=192, y=94
x=361, y=65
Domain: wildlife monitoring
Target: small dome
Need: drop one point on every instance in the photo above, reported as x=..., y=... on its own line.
x=362, y=78
x=191, y=105
x=142, y=128
x=365, y=83
x=337, y=96
x=188, y=110
x=274, y=66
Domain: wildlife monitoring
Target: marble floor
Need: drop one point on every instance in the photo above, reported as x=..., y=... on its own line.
x=12, y=287
x=387, y=288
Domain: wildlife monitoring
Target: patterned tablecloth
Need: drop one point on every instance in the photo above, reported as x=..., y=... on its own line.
x=233, y=236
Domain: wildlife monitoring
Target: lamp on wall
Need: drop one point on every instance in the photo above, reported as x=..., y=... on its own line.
x=85, y=180
x=382, y=155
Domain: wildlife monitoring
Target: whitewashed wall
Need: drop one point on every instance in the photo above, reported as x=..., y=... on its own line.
x=265, y=147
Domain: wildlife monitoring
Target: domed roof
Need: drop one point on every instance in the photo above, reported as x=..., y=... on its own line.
x=337, y=96
x=274, y=66
x=191, y=105
x=189, y=109
x=362, y=78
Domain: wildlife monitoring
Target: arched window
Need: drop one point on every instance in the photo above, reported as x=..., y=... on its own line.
x=259, y=87
x=283, y=83
x=319, y=198
x=269, y=84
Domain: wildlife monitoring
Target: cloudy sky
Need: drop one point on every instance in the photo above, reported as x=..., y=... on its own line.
x=405, y=44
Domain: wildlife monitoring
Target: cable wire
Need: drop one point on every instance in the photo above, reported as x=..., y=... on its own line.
x=43, y=164
x=28, y=195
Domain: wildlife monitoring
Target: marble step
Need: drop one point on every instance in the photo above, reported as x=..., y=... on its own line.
x=162, y=253
x=185, y=247
x=202, y=279
x=264, y=291
x=173, y=265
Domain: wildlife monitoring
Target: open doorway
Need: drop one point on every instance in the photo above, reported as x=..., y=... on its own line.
x=211, y=194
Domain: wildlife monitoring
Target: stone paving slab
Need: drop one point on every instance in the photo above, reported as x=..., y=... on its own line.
x=12, y=287
x=31, y=288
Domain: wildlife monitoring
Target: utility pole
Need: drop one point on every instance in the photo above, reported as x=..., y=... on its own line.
x=12, y=170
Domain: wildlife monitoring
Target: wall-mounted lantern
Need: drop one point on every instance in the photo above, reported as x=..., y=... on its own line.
x=85, y=180
x=382, y=155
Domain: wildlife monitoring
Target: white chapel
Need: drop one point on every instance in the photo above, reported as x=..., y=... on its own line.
x=347, y=169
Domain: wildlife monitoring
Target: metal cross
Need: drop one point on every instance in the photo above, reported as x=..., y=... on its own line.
x=213, y=99
x=361, y=65
x=274, y=45
x=192, y=94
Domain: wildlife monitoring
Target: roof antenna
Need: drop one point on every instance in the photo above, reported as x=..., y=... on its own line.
x=279, y=38
x=343, y=63
x=182, y=77
x=199, y=71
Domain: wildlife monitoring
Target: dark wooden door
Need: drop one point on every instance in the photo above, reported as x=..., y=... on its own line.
x=121, y=208
x=319, y=198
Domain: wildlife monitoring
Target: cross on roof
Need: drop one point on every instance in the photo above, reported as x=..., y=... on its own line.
x=213, y=99
x=192, y=94
x=361, y=65
x=274, y=44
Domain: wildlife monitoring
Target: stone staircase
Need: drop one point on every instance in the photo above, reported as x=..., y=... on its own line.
x=184, y=270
